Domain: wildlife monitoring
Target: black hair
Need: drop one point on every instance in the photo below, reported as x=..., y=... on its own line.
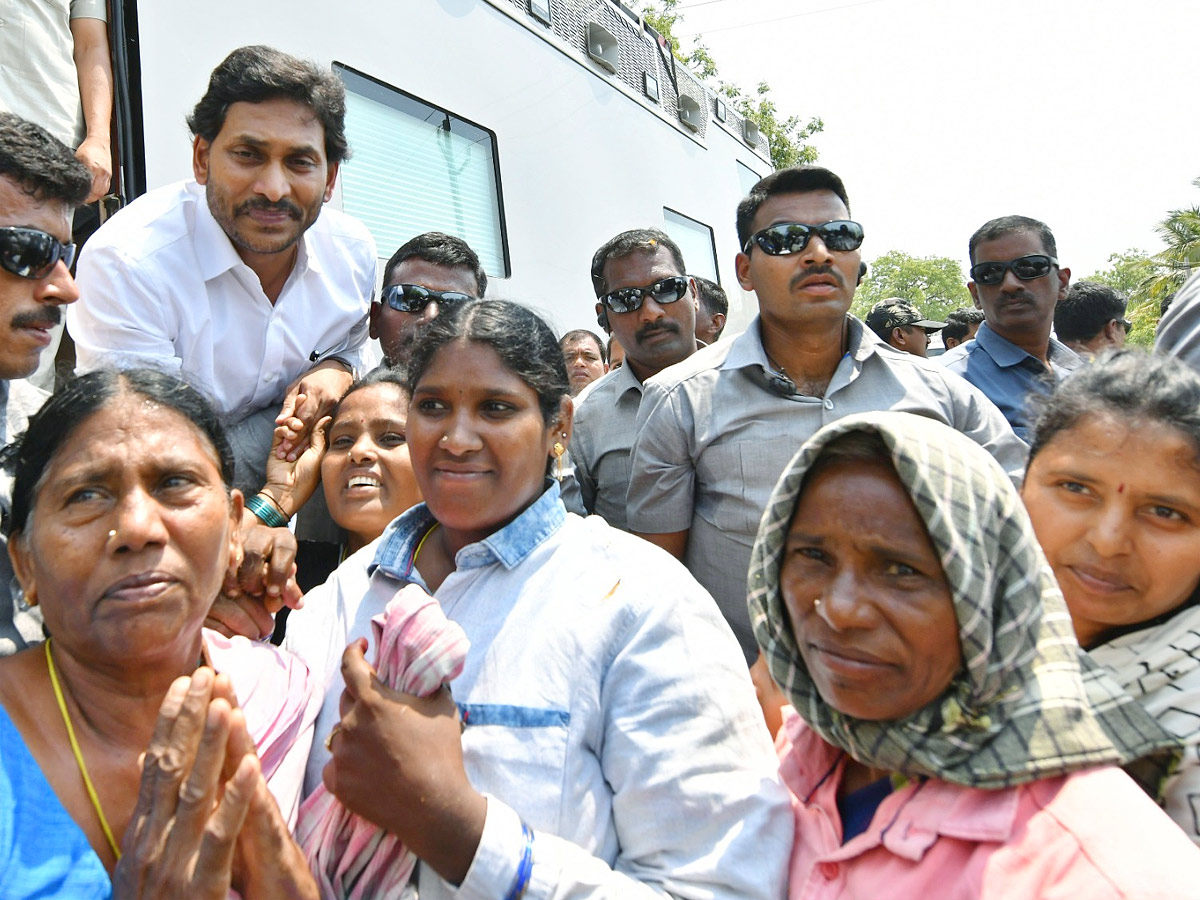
x=612, y=339
x=712, y=296
x=521, y=338
x=1130, y=384
x=440, y=249
x=258, y=73
x=40, y=164
x=1086, y=309
x=77, y=401
x=959, y=322
x=1006, y=225
x=580, y=334
x=380, y=375
x=636, y=240
x=796, y=180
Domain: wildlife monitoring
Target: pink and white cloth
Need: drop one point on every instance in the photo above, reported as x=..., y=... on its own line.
x=419, y=650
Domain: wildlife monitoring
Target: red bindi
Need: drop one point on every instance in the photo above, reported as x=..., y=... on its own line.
x=1121, y=488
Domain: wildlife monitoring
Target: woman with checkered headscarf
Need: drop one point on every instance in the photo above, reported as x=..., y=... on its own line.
x=949, y=737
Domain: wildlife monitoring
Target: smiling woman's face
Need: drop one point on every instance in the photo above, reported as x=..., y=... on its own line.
x=1116, y=507
x=869, y=603
x=130, y=535
x=366, y=472
x=478, y=441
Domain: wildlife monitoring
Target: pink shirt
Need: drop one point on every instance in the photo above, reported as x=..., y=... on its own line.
x=1092, y=834
x=281, y=701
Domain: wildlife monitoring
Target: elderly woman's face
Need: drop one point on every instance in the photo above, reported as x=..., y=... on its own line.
x=866, y=594
x=130, y=535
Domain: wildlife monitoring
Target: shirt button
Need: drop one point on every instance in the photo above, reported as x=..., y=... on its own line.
x=828, y=870
x=828, y=404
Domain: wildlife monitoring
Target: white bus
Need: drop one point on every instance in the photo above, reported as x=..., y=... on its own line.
x=534, y=129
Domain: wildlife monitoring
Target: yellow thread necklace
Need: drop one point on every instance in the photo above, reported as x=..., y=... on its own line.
x=87, y=781
x=417, y=552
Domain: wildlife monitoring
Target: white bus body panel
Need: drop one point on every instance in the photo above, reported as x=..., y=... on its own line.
x=581, y=156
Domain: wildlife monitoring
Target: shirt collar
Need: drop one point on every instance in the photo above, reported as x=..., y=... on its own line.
x=747, y=348
x=924, y=810
x=624, y=381
x=510, y=546
x=215, y=251
x=1006, y=354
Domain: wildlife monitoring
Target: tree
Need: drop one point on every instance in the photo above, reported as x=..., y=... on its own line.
x=934, y=284
x=1133, y=273
x=1180, y=231
x=786, y=138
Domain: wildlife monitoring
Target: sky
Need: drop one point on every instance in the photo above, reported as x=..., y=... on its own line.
x=942, y=114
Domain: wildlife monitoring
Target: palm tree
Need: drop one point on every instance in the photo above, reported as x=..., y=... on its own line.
x=1180, y=232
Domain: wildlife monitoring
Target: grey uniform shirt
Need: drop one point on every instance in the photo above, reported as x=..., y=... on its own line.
x=605, y=424
x=1007, y=375
x=716, y=430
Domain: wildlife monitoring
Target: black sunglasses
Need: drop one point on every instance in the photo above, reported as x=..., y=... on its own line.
x=630, y=299
x=412, y=298
x=30, y=253
x=792, y=237
x=1026, y=268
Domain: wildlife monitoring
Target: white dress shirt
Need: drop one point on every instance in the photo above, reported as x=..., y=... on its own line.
x=162, y=285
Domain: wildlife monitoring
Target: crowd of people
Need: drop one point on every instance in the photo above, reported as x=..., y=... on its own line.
x=499, y=613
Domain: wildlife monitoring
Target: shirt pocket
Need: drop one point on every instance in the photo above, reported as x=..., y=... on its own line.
x=518, y=754
x=735, y=480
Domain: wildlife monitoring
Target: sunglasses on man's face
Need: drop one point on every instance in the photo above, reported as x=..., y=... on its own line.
x=630, y=299
x=30, y=253
x=1026, y=268
x=792, y=237
x=412, y=298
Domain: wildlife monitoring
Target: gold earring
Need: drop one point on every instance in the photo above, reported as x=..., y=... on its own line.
x=558, y=451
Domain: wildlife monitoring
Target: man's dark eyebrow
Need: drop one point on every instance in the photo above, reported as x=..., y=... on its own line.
x=259, y=143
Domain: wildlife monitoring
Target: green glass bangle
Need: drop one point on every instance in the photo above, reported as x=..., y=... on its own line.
x=266, y=512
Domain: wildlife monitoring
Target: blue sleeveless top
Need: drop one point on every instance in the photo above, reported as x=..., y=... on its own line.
x=43, y=853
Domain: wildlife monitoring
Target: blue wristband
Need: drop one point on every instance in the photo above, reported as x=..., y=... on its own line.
x=524, y=868
x=266, y=512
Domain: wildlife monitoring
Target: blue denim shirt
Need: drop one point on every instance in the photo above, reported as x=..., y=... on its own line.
x=1009, y=376
x=607, y=705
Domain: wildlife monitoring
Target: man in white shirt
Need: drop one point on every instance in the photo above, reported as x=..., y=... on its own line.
x=240, y=281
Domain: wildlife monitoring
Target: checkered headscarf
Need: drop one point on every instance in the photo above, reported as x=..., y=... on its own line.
x=1028, y=703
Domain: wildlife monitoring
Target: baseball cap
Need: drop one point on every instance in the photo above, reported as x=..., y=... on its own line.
x=895, y=313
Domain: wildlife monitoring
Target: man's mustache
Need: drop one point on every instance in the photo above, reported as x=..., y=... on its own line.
x=286, y=206
x=654, y=327
x=46, y=317
x=814, y=271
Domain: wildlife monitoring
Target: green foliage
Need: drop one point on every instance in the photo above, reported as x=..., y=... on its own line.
x=934, y=284
x=786, y=138
x=1133, y=273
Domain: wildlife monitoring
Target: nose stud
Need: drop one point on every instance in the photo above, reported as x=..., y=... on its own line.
x=445, y=437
